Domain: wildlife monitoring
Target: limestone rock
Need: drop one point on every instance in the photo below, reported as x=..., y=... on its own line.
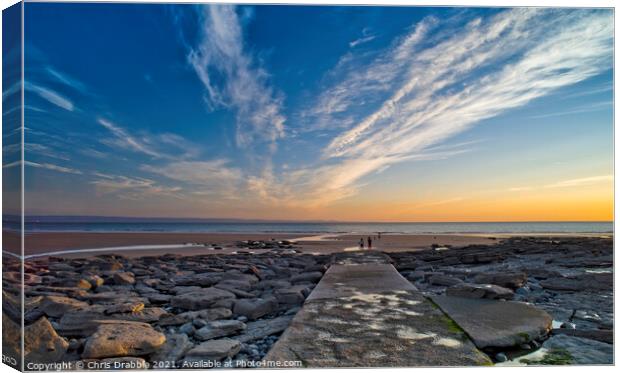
x=131, y=339
x=42, y=344
x=124, y=278
x=201, y=299
x=493, y=323
x=174, y=349
x=306, y=277
x=208, y=315
x=255, y=308
x=478, y=291
x=512, y=280
x=220, y=328
x=57, y=306
x=214, y=350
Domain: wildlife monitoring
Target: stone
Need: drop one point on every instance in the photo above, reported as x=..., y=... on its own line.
x=187, y=328
x=220, y=328
x=293, y=295
x=85, y=322
x=182, y=318
x=124, y=278
x=606, y=336
x=501, y=357
x=135, y=339
x=158, y=298
x=202, y=279
x=201, y=299
x=57, y=306
x=306, y=277
x=174, y=349
x=257, y=330
x=235, y=284
x=477, y=291
x=83, y=284
x=41, y=342
x=580, y=350
x=496, y=324
x=255, y=308
x=272, y=284
x=511, y=280
x=443, y=280
x=214, y=350
x=124, y=307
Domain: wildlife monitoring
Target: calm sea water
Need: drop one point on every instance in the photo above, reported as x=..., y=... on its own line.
x=312, y=228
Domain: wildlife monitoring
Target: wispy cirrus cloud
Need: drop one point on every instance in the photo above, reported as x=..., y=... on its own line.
x=233, y=79
x=434, y=91
x=132, y=187
x=160, y=146
x=568, y=183
x=216, y=177
x=46, y=166
x=50, y=96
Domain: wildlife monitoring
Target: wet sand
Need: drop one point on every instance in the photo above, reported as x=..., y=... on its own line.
x=39, y=243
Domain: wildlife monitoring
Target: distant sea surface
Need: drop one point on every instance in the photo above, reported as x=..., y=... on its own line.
x=317, y=228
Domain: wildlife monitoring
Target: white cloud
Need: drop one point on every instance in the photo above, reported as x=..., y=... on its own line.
x=50, y=96
x=202, y=177
x=47, y=166
x=584, y=181
x=443, y=88
x=362, y=40
x=164, y=146
x=232, y=78
x=132, y=187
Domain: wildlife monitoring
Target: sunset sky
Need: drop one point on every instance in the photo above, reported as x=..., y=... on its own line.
x=336, y=113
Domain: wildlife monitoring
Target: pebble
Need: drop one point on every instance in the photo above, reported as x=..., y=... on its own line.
x=501, y=357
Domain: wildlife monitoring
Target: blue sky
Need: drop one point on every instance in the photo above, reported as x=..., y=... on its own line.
x=351, y=113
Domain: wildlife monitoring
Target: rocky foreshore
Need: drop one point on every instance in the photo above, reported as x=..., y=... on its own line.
x=162, y=312
x=173, y=311
x=569, y=278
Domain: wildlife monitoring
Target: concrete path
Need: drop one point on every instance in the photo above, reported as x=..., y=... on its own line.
x=363, y=313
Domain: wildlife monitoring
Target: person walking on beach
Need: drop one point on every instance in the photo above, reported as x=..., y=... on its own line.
x=369, y=243
x=379, y=235
x=361, y=243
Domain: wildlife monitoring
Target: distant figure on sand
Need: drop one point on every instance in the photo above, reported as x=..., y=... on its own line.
x=379, y=235
x=369, y=243
x=361, y=243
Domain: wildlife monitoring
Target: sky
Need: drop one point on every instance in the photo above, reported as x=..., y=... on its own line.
x=318, y=113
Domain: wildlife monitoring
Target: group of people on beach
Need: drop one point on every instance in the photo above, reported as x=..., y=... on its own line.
x=369, y=240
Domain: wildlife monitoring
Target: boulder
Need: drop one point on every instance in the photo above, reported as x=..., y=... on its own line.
x=235, y=284
x=208, y=315
x=606, y=336
x=130, y=339
x=443, y=280
x=124, y=278
x=201, y=299
x=511, y=280
x=214, y=350
x=496, y=324
x=85, y=322
x=57, y=306
x=133, y=307
x=255, y=308
x=306, y=277
x=293, y=295
x=260, y=329
x=220, y=328
x=174, y=349
x=42, y=344
x=477, y=291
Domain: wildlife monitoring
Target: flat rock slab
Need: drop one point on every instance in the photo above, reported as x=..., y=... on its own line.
x=368, y=315
x=493, y=323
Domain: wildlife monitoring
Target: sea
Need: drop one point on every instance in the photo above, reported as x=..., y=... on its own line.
x=184, y=226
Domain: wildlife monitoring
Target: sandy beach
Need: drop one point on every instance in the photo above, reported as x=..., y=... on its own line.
x=122, y=243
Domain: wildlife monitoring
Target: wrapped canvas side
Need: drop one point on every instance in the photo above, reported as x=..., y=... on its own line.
x=12, y=168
